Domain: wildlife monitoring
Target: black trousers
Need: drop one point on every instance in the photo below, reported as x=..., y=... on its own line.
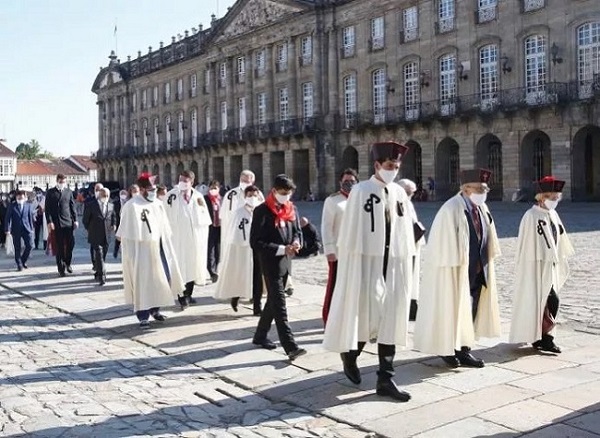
x=189, y=289
x=214, y=249
x=65, y=242
x=116, y=248
x=275, y=309
x=21, y=258
x=257, y=283
x=386, y=355
x=144, y=315
x=99, y=252
x=38, y=225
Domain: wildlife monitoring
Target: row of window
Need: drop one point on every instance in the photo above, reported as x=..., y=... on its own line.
x=7, y=166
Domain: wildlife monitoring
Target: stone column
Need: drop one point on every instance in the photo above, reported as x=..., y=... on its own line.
x=292, y=74
x=250, y=95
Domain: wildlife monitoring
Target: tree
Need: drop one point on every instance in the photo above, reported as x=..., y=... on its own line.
x=31, y=151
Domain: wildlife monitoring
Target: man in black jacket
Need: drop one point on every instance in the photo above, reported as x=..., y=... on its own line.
x=275, y=236
x=99, y=221
x=62, y=221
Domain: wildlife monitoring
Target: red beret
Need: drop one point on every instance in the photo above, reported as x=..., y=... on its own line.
x=549, y=184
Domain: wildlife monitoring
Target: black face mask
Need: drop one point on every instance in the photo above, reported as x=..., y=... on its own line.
x=347, y=186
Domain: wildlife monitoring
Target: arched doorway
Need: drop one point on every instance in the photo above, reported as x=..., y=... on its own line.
x=103, y=175
x=447, y=167
x=411, y=163
x=194, y=168
x=350, y=158
x=586, y=164
x=536, y=159
x=111, y=174
x=180, y=169
x=145, y=168
x=156, y=171
x=121, y=177
x=134, y=174
x=167, y=179
x=489, y=156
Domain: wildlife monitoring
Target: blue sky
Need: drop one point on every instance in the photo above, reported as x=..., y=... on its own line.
x=53, y=49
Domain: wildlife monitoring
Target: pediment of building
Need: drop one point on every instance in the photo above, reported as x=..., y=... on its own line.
x=249, y=15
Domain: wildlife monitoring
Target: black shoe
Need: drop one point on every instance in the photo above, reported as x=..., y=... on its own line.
x=547, y=344
x=266, y=344
x=19, y=268
x=145, y=324
x=102, y=280
x=190, y=300
x=351, y=370
x=234, y=303
x=289, y=291
x=387, y=388
x=214, y=278
x=25, y=266
x=257, y=313
x=62, y=274
x=183, y=302
x=159, y=317
x=466, y=359
x=69, y=269
x=451, y=361
x=292, y=355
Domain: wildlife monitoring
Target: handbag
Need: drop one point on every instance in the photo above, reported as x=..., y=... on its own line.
x=10, y=247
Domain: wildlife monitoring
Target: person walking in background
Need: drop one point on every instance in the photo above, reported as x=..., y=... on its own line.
x=213, y=201
x=458, y=303
x=38, y=207
x=275, y=235
x=19, y=224
x=333, y=211
x=62, y=221
x=543, y=248
x=372, y=291
x=124, y=196
x=419, y=232
x=92, y=199
x=151, y=276
x=3, y=209
x=431, y=188
x=99, y=221
x=189, y=219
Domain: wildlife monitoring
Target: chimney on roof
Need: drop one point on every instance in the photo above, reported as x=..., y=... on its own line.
x=173, y=39
x=139, y=53
x=128, y=58
x=213, y=18
x=194, y=30
x=161, y=45
x=200, y=27
x=149, y=49
x=186, y=33
x=113, y=58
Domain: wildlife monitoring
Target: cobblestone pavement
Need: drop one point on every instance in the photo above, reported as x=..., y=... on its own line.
x=74, y=362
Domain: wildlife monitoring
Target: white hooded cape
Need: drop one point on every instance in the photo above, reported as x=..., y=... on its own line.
x=189, y=223
x=144, y=227
x=235, y=278
x=365, y=306
x=444, y=320
x=541, y=265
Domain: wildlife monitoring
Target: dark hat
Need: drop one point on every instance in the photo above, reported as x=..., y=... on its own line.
x=146, y=180
x=282, y=181
x=475, y=176
x=549, y=184
x=388, y=150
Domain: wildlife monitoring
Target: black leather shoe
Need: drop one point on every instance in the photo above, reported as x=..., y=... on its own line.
x=351, y=370
x=69, y=269
x=183, y=302
x=451, y=361
x=266, y=344
x=19, y=268
x=292, y=355
x=257, y=313
x=25, y=266
x=191, y=300
x=214, y=278
x=102, y=280
x=387, y=388
x=159, y=317
x=234, y=303
x=466, y=359
x=62, y=274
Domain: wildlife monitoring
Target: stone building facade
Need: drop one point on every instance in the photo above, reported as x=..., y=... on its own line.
x=304, y=87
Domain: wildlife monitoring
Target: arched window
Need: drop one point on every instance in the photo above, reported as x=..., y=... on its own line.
x=535, y=68
x=168, y=130
x=180, y=127
x=134, y=134
x=207, y=118
x=448, y=84
x=488, y=73
x=156, y=132
x=379, y=95
x=194, y=126
x=412, y=91
x=145, y=133
x=349, y=99
x=588, y=57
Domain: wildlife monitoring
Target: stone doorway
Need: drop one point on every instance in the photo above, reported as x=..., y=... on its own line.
x=586, y=164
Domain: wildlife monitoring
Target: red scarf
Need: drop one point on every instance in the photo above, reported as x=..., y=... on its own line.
x=283, y=212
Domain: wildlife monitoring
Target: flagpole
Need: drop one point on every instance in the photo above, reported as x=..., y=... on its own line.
x=116, y=39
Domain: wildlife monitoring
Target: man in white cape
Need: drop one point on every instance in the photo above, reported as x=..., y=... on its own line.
x=151, y=276
x=372, y=291
x=543, y=248
x=189, y=219
x=238, y=269
x=419, y=231
x=459, y=299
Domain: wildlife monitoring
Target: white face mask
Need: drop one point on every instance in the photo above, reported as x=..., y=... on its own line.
x=20, y=201
x=123, y=197
x=478, y=198
x=252, y=201
x=184, y=186
x=151, y=195
x=213, y=192
x=103, y=200
x=388, y=176
x=551, y=204
x=282, y=199
x=97, y=194
x=60, y=186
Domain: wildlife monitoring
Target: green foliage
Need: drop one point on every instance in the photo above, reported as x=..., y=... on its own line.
x=31, y=151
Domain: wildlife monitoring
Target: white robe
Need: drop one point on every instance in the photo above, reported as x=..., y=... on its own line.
x=145, y=282
x=189, y=222
x=416, y=277
x=541, y=264
x=444, y=320
x=331, y=220
x=365, y=306
x=235, y=279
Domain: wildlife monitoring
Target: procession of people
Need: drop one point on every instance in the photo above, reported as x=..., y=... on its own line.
x=174, y=241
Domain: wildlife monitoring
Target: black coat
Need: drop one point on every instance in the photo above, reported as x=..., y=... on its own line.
x=266, y=238
x=117, y=207
x=98, y=226
x=60, y=208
